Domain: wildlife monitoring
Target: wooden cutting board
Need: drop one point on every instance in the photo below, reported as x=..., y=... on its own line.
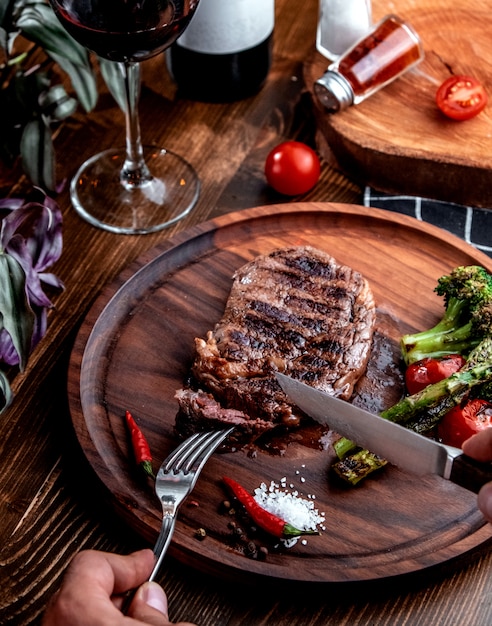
x=397, y=140
x=134, y=351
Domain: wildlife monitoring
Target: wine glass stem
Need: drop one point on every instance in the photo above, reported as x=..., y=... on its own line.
x=135, y=172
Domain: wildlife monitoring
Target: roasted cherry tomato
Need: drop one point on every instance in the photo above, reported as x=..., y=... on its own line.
x=462, y=422
x=292, y=168
x=461, y=97
x=428, y=371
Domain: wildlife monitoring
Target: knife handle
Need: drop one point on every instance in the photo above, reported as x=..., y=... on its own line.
x=470, y=474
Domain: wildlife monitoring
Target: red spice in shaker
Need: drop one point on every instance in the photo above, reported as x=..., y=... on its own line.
x=390, y=49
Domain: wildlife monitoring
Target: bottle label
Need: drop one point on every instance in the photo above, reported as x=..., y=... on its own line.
x=228, y=26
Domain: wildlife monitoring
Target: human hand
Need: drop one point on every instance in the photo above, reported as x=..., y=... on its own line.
x=93, y=589
x=479, y=447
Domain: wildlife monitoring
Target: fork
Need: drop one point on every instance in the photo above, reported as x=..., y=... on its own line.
x=175, y=480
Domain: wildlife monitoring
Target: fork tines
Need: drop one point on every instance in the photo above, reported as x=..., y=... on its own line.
x=195, y=450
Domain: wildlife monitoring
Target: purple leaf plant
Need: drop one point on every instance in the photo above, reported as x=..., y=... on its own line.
x=30, y=242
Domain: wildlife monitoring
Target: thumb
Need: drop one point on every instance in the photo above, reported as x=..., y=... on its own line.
x=149, y=605
x=485, y=501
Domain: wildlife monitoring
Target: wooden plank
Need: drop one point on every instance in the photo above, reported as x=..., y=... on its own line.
x=397, y=140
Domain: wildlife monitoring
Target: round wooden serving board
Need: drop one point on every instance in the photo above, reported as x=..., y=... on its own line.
x=134, y=351
x=397, y=140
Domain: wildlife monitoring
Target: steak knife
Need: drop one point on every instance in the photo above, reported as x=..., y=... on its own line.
x=399, y=445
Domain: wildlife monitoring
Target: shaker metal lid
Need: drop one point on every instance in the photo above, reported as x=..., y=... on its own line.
x=334, y=91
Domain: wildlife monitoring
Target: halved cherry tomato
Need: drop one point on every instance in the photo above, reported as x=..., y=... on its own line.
x=462, y=422
x=292, y=168
x=461, y=97
x=428, y=371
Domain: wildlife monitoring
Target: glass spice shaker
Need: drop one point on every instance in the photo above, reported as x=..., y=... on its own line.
x=340, y=24
x=390, y=49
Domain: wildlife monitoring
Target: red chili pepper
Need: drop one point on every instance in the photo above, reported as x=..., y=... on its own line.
x=141, y=448
x=269, y=522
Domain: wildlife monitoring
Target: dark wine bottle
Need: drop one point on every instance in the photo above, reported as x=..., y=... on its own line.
x=225, y=53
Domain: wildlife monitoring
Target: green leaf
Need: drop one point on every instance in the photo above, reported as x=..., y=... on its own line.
x=17, y=315
x=4, y=39
x=38, y=154
x=83, y=81
x=6, y=392
x=40, y=25
x=56, y=104
x=115, y=81
x=25, y=91
x=7, y=9
x=4, y=10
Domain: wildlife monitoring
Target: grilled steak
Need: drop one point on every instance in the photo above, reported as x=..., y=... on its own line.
x=295, y=310
x=200, y=411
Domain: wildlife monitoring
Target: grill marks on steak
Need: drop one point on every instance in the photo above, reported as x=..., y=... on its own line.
x=295, y=310
x=299, y=311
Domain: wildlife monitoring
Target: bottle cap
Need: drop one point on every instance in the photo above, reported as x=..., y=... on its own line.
x=334, y=91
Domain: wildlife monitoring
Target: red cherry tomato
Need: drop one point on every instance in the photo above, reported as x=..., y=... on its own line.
x=461, y=97
x=292, y=168
x=462, y=422
x=428, y=371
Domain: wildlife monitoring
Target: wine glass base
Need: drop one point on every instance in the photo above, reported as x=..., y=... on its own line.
x=100, y=198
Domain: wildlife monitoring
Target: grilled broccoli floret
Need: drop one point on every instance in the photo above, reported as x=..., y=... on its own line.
x=467, y=319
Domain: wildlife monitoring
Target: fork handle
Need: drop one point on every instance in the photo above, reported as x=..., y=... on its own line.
x=160, y=549
x=163, y=541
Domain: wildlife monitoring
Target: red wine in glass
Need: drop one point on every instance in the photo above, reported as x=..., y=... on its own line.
x=134, y=189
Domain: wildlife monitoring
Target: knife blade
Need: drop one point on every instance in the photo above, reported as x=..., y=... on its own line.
x=399, y=445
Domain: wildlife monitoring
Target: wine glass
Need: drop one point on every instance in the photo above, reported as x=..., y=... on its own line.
x=137, y=189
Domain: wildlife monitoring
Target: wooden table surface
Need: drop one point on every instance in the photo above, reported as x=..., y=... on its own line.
x=51, y=503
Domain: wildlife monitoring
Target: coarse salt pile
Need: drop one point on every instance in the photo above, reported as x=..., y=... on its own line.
x=289, y=506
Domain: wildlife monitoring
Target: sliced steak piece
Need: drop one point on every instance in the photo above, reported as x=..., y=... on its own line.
x=295, y=310
x=200, y=411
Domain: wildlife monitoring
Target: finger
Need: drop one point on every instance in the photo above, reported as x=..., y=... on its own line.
x=97, y=575
x=479, y=446
x=112, y=572
x=130, y=571
x=150, y=606
x=485, y=501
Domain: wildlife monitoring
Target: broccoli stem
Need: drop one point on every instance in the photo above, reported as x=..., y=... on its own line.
x=457, y=341
x=451, y=335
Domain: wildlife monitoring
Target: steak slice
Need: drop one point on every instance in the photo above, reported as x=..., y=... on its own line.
x=200, y=411
x=295, y=310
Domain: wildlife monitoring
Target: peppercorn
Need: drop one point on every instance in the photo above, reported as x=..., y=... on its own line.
x=225, y=506
x=239, y=532
x=251, y=550
x=262, y=553
x=200, y=534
